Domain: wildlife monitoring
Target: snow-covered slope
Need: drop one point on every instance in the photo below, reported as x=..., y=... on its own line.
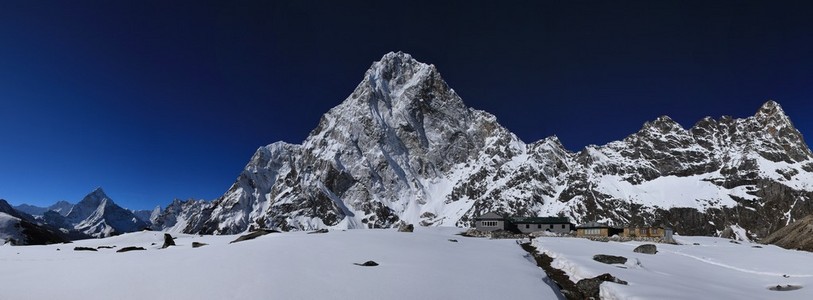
x=17, y=229
x=296, y=265
x=10, y=229
x=22, y=229
x=700, y=268
x=404, y=147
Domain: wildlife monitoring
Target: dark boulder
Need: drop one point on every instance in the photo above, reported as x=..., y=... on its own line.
x=84, y=249
x=198, y=245
x=404, y=227
x=168, y=241
x=453, y=240
x=609, y=259
x=646, y=249
x=590, y=287
x=368, y=263
x=131, y=248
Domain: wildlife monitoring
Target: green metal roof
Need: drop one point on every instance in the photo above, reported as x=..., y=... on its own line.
x=539, y=220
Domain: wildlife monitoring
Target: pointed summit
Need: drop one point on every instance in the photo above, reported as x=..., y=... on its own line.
x=395, y=73
x=98, y=216
x=98, y=191
x=771, y=107
x=772, y=115
x=663, y=124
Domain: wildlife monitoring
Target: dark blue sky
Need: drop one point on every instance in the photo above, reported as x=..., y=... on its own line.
x=154, y=100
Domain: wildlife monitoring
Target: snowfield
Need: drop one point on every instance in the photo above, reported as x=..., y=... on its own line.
x=295, y=265
x=714, y=269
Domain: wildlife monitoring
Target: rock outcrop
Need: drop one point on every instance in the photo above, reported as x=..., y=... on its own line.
x=797, y=235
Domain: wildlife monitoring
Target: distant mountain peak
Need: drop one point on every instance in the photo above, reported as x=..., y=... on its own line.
x=97, y=215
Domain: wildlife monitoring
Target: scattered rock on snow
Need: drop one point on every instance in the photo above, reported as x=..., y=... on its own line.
x=781, y=288
x=453, y=240
x=609, y=259
x=404, y=227
x=589, y=287
x=168, y=241
x=253, y=235
x=131, y=248
x=105, y=247
x=84, y=249
x=646, y=249
x=198, y=245
x=324, y=230
x=368, y=263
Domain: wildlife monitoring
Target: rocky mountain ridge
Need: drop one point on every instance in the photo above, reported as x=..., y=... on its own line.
x=404, y=147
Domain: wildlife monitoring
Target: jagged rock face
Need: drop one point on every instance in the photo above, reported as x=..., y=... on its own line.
x=404, y=147
x=178, y=215
x=797, y=235
x=377, y=158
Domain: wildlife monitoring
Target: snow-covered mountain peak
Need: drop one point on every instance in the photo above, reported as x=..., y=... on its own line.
x=404, y=147
x=97, y=215
x=394, y=64
x=397, y=74
x=663, y=124
x=552, y=141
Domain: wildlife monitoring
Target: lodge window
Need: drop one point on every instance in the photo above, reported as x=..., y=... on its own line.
x=489, y=223
x=592, y=231
x=538, y=226
x=527, y=226
x=550, y=226
x=563, y=226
